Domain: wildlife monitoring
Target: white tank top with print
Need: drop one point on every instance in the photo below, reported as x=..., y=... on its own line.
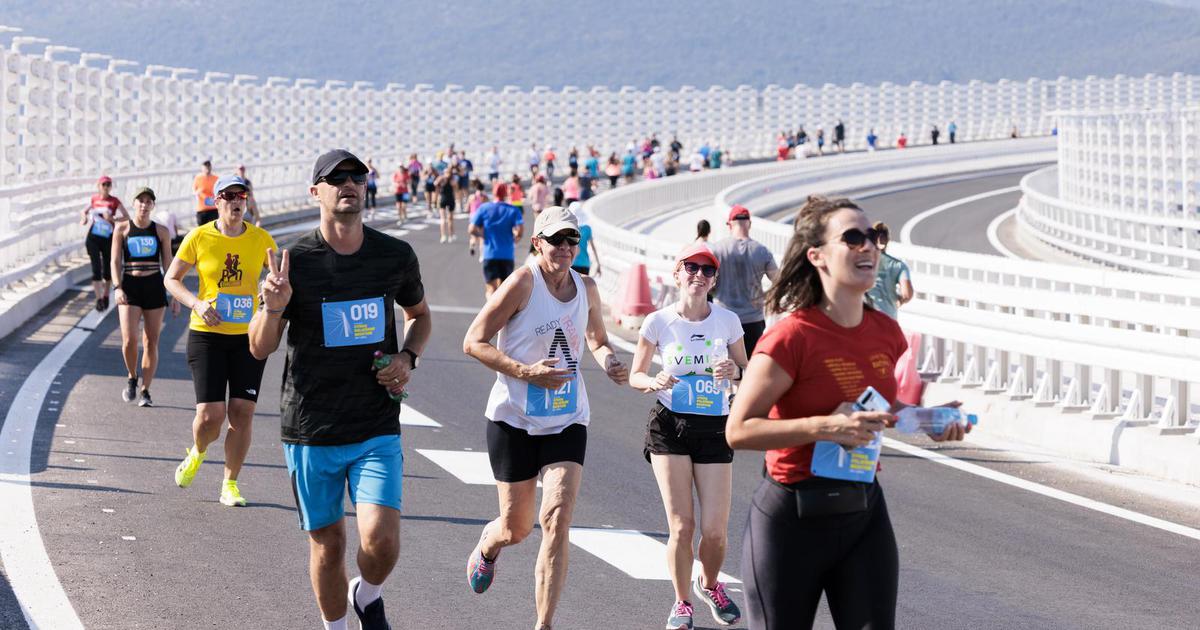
x=545, y=328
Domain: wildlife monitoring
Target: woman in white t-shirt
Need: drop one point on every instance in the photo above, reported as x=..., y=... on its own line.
x=685, y=436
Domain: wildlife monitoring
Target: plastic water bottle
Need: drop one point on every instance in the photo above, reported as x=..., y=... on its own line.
x=381, y=361
x=720, y=352
x=931, y=420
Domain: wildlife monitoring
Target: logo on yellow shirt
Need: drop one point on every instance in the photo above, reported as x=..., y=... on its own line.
x=232, y=275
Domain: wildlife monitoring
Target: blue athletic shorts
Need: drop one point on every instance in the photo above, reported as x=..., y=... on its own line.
x=371, y=471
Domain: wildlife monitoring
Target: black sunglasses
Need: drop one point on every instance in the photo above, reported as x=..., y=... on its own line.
x=233, y=195
x=556, y=239
x=694, y=268
x=337, y=178
x=856, y=239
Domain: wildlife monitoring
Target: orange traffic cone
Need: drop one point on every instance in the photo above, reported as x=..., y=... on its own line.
x=633, y=302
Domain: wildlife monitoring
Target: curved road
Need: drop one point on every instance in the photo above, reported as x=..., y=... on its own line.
x=133, y=551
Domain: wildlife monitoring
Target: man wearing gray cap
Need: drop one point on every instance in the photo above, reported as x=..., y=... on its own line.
x=346, y=370
x=538, y=411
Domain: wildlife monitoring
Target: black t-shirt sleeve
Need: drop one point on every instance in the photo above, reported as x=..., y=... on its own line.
x=410, y=291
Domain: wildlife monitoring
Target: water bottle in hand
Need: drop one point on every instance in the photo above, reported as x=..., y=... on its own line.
x=720, y=352
x=381, y=361
x=931, y=420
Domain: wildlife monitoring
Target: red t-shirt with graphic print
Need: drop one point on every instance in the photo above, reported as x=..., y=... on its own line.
x=829, y=364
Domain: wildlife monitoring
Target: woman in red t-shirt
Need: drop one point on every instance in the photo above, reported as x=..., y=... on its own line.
x=807, y=535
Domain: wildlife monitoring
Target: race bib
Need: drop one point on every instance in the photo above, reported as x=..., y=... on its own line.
x=102, y=228
x=353, y=322
x=210, y=202
x=540, y=401
x=235, y=309
x=143, y=246
x=697, y=394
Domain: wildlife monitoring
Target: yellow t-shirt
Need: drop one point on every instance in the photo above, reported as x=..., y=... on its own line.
x=229, y=269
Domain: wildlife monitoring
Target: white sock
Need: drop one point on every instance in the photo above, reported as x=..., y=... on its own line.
x=366, y=593
x=340, y=624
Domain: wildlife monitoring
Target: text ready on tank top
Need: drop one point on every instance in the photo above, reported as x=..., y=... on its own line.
x=545, y=328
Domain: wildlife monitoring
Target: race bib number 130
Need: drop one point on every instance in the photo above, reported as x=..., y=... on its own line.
x=353, y=322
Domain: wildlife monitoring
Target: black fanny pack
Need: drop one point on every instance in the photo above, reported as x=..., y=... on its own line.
x=832, y=500
x=687, y=424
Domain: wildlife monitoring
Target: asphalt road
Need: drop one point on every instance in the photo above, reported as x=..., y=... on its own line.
x=134, y=551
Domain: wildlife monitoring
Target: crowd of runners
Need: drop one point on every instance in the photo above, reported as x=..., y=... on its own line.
x=349, y=358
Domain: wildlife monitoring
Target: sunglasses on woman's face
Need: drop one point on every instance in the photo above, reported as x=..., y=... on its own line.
x=694, y=268
x=231, y=195
x=556, y=239
x=856, y=239
x=337, y=178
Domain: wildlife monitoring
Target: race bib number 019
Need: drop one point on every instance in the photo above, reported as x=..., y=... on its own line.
x=235, y=309
x=143, y=246
x=540, y=401
x=353, y=322
x=697, y=394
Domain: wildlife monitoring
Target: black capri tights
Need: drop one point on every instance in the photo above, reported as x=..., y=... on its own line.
x=789, y=561
x=99, y=250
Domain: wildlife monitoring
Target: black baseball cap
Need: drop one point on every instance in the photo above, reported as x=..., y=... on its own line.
x=329, y=161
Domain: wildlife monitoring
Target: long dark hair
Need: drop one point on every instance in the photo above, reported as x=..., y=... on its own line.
x=799, y=283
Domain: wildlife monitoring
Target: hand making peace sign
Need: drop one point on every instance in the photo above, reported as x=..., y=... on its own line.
x=276, y=289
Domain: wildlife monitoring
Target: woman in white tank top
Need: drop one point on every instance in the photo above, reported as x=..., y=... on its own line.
x=538, y=410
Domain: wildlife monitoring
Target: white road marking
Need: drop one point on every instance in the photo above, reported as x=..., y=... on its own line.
x=469, y=467
x=993, y=233
x=413, y=418
x=907, y=230
x=1045, y=491
x=43, y=602
x=129, y=538
x=635, y=554
x=461, y=310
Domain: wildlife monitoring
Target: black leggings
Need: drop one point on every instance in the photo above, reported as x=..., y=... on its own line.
x=99, y=250
x=788, y=561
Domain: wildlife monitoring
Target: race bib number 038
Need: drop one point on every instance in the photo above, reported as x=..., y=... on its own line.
x=235, y=309
x=540, y=401
x=353, y=322
x=697, y=394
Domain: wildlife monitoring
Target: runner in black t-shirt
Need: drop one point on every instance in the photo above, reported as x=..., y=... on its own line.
x=340, y=422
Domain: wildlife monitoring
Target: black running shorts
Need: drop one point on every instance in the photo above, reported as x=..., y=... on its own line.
x=145, y=292
x=517, y=456
x=223, y=362
x=700, y=437
x=497, y=269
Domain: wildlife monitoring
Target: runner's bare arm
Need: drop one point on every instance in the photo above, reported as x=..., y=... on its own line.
x=173, y=281
x=597, y=336
x=640, y=378
x=266, y=327
x=117, y=255
x=510, y=298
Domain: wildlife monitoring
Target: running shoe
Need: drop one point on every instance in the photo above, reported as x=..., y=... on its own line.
x=371, y=618
x=130, y=391
x=100, y=305
x=724, y=611
x=480, y=571
x=230, y=495
x=186, y=471
x=680, y=617
x=145, y=400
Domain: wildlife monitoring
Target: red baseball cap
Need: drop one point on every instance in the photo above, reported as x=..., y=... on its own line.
x=104, y=179
x=697, y=250
x=738, y=212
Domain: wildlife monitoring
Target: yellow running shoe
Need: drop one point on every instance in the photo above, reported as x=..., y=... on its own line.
x=230, y=495
x=186, y=471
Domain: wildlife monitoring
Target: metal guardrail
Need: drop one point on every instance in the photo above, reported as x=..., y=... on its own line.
x=1106, y=342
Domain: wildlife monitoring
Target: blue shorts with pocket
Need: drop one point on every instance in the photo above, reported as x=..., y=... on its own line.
x=371, y=471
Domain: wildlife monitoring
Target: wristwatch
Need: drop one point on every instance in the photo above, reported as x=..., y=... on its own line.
x=412, y=356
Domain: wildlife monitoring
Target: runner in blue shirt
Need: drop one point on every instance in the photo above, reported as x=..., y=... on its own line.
x=500, y=225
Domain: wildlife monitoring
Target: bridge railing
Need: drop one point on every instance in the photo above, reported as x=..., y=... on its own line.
x=1102, y=341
